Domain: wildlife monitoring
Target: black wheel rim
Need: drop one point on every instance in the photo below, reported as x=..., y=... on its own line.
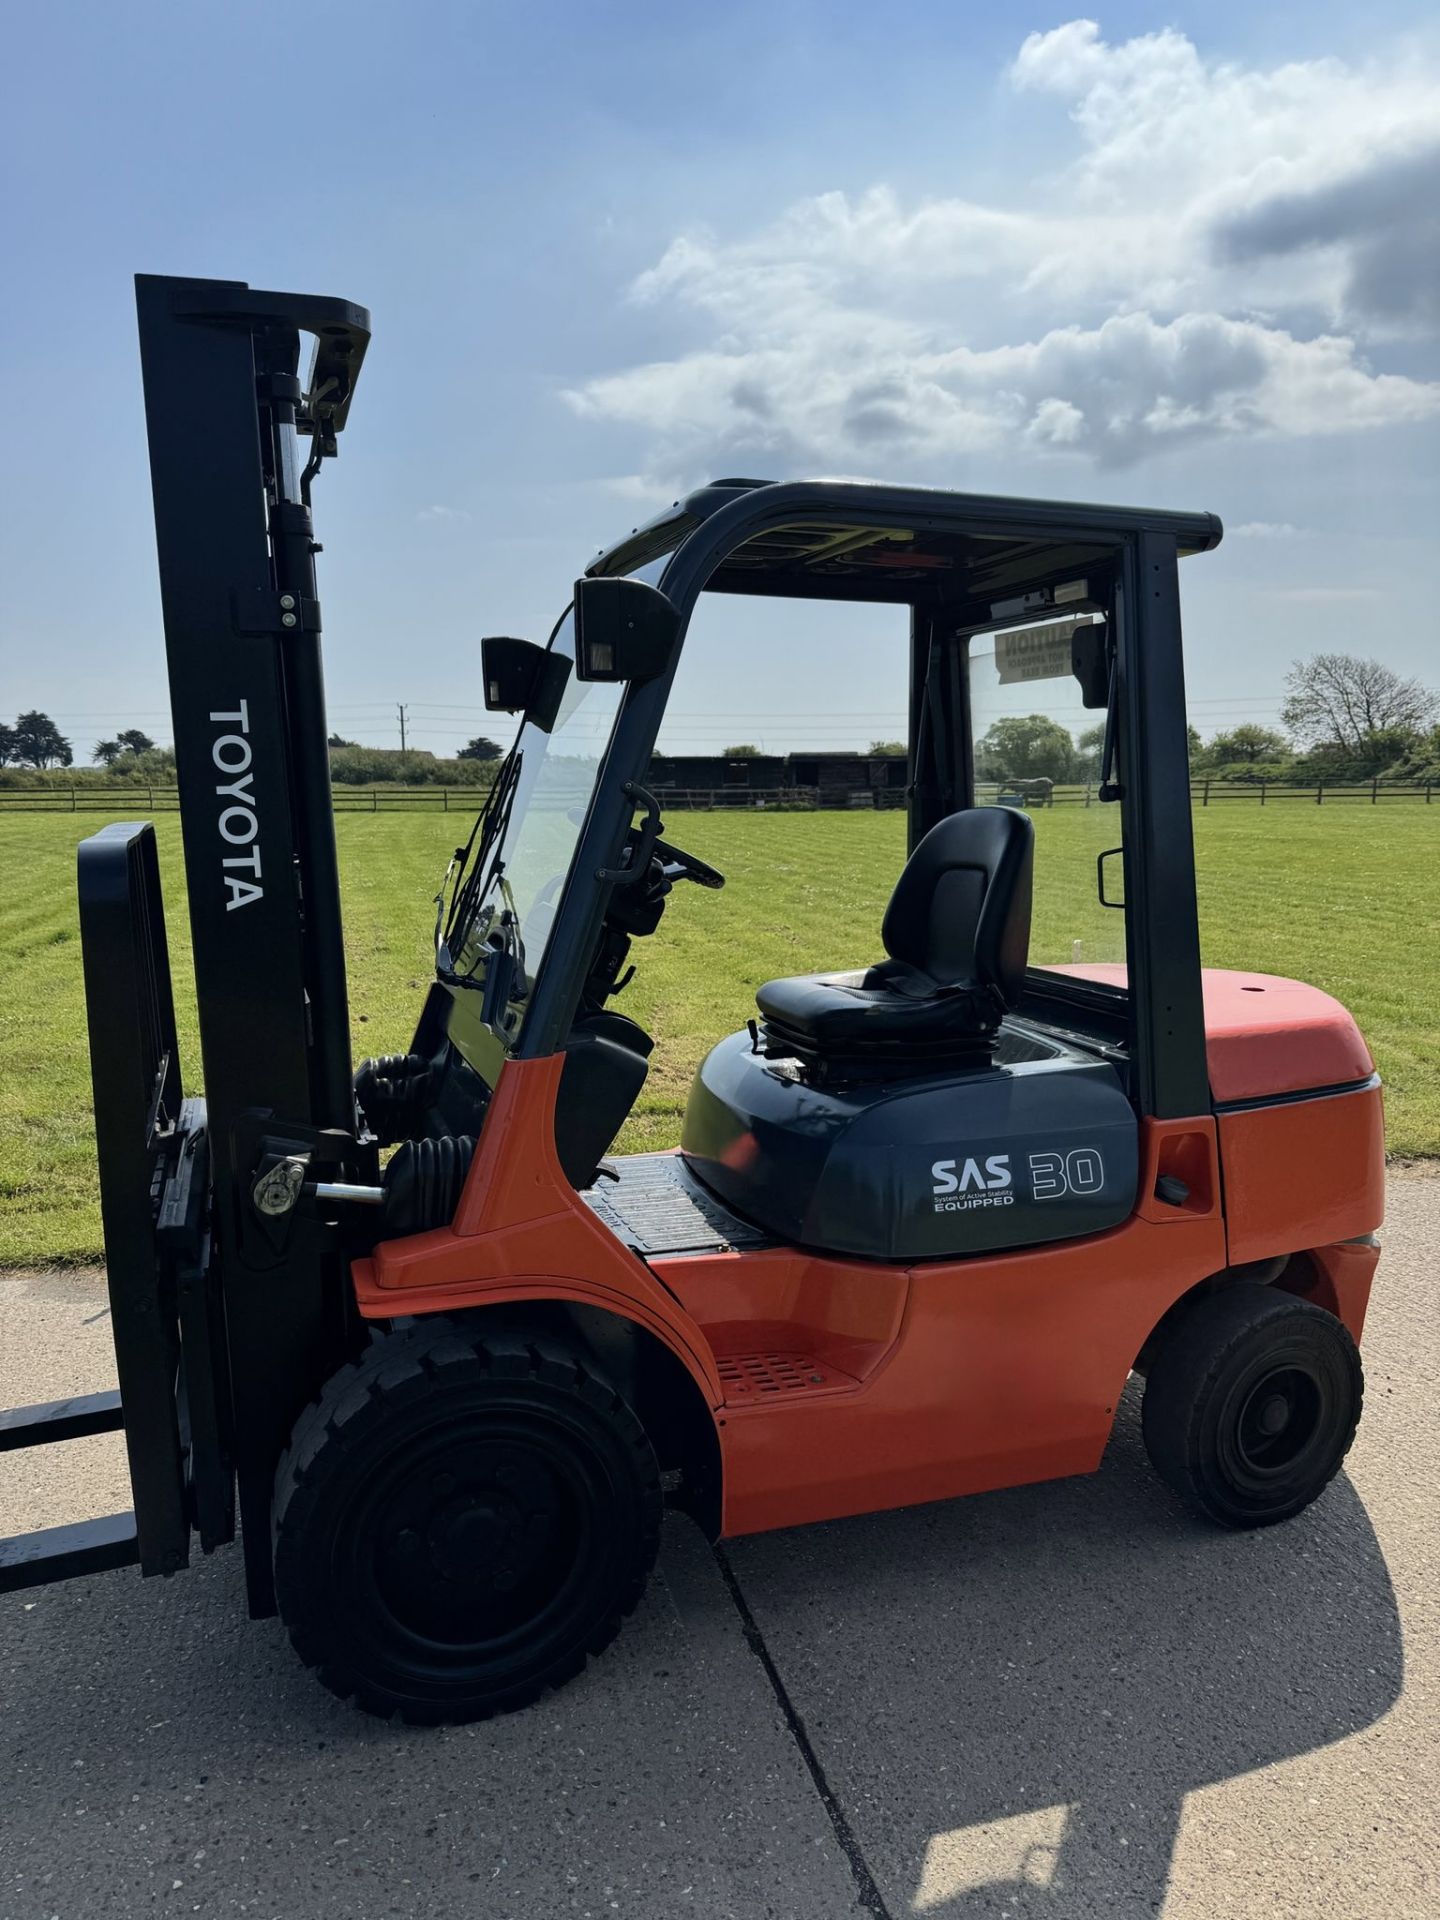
x=1274, y=1426
x=471, y=1547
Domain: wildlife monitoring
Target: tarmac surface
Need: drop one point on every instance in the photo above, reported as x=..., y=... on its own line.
x=1062, y=1701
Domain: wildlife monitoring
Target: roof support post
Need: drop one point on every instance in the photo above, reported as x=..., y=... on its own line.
x=1162, y=925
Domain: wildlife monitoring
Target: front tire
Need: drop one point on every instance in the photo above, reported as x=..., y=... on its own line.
x=460, y=1520
x=1251, y=1404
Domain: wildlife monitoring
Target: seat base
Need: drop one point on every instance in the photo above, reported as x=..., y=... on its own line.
x=835, y=1069
x=887, y=1018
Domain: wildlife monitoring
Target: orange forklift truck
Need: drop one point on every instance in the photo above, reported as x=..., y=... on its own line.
x=924, y=1220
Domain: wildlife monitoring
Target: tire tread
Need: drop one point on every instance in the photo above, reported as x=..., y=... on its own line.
x=416, y=1360
x=1188, y=1367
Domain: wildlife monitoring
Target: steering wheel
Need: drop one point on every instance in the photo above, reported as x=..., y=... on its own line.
x=679, y=865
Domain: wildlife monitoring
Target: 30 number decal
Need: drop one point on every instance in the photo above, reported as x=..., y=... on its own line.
x=1085, y=1170
x=1053, y=1175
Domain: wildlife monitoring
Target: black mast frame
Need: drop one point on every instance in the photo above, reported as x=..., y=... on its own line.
x=227, y=1318
x=225, y=411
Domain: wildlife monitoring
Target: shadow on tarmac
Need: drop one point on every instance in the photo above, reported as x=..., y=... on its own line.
x=1012, y=1695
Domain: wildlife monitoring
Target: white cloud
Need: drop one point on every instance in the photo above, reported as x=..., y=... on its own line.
x=442, y=516
x=1196, y=162
x=1114, y=392
x=1213, y=261
x=1264, y=530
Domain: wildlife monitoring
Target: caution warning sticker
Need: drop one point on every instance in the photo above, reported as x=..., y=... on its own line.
x=1035, y=653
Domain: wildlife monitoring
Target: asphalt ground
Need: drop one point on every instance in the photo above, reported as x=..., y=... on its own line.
x=1063, y=1701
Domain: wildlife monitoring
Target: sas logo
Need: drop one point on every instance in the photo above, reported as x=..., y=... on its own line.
x=961, y=1185
x=986, y=1181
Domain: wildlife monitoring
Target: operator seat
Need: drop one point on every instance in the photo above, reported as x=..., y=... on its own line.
x=957, y=937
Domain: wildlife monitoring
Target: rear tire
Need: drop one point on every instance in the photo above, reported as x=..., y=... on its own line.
x=1251, y=1404
x=460, y=1520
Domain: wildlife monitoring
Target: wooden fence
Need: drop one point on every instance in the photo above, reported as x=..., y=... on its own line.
x=1318, y=793
x=461, y=800
x=1205, y=793
x=465, y=800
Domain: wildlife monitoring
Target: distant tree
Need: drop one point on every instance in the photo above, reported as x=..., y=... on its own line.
x=338, y=740
x=1087, y=752
x=370, y=766
x=132, y=740
x=480, y=749
x=106, y=752
x=9, y=745
x=1374, y=753
x=1028, y=747
x=1386, y=747
x=40, y=743
x=887, y=749
x=1337, y=700
x=157, y=764
x=1194, y=744
x=1245, y=744
x=1420, y=760
x=740, y=753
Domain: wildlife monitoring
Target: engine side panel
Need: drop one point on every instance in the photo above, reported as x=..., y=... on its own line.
x=997, y=1156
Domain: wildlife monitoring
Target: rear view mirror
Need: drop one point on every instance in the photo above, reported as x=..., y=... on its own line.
x=1090, y=663
x=521, y=677
x=624, y=630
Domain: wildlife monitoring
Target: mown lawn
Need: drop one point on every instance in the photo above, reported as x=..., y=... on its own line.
x=1348, y=897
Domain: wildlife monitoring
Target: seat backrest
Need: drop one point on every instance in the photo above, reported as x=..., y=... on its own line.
x=960, y=911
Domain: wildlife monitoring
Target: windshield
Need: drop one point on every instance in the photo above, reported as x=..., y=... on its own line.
x=1038, y=747
x=526, y=837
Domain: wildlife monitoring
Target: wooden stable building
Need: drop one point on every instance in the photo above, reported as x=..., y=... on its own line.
x=830, y=774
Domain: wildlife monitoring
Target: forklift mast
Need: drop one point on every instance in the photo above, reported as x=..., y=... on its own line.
x=225, y=412
x=229, y=1301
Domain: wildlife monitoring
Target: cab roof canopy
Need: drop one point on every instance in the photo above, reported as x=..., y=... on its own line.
x=825, y=539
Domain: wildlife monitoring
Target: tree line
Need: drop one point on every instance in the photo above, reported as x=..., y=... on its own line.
x=1345, y=719
x=36, y=745
x=34, y=741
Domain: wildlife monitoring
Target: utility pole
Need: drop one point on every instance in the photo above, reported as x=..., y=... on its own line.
x=400, y=709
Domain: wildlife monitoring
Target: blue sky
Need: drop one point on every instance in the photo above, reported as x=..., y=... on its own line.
x=1184, y=257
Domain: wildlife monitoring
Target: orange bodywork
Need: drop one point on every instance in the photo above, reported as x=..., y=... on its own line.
x=521, y=1232
x=1264, y=1035
x=975, y=1374
x=1303, y=1174
x=842, y=1386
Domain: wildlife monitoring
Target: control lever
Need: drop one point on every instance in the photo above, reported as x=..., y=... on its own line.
x=347, y=1190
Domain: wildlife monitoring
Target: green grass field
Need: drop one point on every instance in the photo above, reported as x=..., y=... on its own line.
x=1346, y=897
